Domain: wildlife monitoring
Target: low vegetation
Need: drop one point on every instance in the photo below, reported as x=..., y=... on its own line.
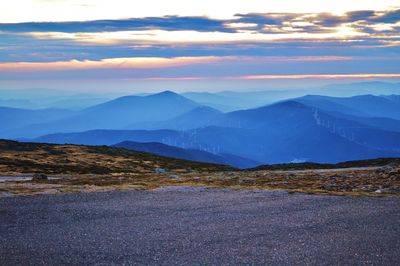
x=76, y=168
x=309, y=165
x=24, y=157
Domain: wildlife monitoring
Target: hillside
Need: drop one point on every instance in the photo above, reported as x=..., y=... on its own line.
x=187, y=154
x=379, y=162
x=24, y=157
x=77, y=168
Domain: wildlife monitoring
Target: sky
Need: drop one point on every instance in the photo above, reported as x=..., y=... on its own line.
x=102, y=45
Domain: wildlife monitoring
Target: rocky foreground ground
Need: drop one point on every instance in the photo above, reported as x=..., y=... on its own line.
x=151, y=210
x=197, y=226
x=371, y=181
x=77, y=168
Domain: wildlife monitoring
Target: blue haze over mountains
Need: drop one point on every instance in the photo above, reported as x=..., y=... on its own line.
x=243, y=129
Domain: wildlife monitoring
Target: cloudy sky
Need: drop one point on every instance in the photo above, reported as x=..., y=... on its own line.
x=196, y=45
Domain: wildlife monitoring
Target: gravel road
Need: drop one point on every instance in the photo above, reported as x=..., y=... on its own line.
x=198, y=227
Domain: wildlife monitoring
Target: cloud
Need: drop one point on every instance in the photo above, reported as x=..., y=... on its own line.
x=274, y=77
x=191, y=37
x=367, y=21
x=177, y=36
x=201, y=67
x=262, y=20
x=278, y=40
x=330, y=20
x=25, y=48
x=109, y=63
x=162, y=23
x=275, y=22
x=391, y=16
x=156, y=62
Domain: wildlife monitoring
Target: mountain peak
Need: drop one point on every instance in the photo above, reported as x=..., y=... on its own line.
x=165, y=93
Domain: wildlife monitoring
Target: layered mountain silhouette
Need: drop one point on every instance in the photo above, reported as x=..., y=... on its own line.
x=228, y=101
x=116, y=114
x=198, y=117
x=16, y=118
x=110, y=137
x=311, y=128
x=363, y=105
x=187, y=154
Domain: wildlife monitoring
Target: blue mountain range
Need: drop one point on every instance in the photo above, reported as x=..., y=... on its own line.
x=309, y=128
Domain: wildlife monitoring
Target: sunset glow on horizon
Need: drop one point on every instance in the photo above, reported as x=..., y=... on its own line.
x=260, y=39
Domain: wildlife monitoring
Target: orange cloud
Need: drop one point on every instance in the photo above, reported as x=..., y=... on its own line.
x=260, y=77
x=154, y=62
x=133, y=62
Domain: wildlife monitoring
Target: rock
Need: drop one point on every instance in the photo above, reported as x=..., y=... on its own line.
x=390, y=169
x=39, y=176
x=394, y=172
x=387, y=168
x=159, y=170
x=388, y=190
x=369, y=188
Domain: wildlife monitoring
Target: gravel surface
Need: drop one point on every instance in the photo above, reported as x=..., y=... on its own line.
x=197, y=227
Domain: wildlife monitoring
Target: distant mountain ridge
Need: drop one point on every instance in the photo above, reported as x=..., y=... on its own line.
x=115, y=114
x=362, y=105
x=15, y=118
x=187, y=154
x=229, y=101
x=198, y=117
x=313, y=128
x=283, y=132
x=225, y=101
